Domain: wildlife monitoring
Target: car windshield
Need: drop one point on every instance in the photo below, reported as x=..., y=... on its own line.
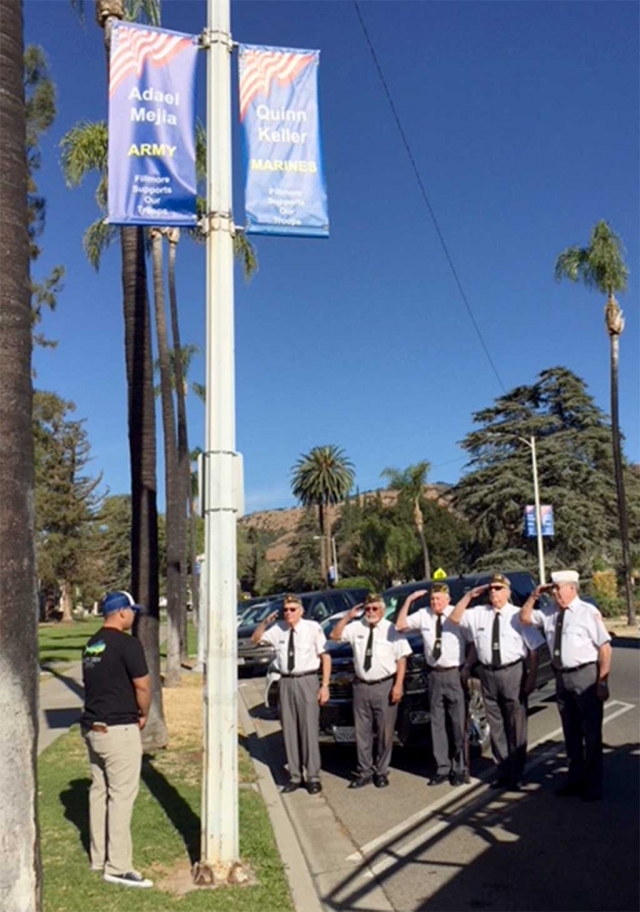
x=257, y=613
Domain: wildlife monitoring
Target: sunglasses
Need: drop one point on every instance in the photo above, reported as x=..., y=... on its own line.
x=290, y=610
x=496, y=588
x=373, y=608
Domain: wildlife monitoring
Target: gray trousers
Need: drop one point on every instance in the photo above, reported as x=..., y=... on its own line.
x=581, y=714
x=115, y=757
x=300, y=714
x=447, y=708
x=375, y=721
x=506, y=709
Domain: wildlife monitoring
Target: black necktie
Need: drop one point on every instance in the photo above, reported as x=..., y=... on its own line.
x=369, y=650
x=496, y=661
x=291, y=653
x=437, y=646
x=556, y=658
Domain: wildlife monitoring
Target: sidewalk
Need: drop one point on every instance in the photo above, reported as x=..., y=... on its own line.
x=332, y=862
x=60, y=703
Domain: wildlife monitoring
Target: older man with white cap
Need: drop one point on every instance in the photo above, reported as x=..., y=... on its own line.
x=580, y=650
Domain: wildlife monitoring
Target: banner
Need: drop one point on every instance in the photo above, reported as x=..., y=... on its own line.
x=152, y=147
x=285, y=191
x=546, y=520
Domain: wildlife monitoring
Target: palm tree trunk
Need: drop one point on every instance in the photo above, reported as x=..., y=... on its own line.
x=20, y=881
x=184, y=467
x=324, y=569
x=619, y=475
x=142, y=458
x=418, y=518
x=172, y=481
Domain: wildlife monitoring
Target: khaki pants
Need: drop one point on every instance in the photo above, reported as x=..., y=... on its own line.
x=115, y=757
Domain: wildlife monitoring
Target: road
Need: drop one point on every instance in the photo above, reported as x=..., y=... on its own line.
x=416, y=848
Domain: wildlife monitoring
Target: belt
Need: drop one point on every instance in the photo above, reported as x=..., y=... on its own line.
x=501, y=667
x=301, y=674
x=377, y=681
x=576, y=667
x=449, y=668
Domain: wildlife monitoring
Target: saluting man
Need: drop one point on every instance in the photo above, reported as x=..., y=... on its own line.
x=380, y=660
x=580, y=650
x=444, y=649
x=502, y=644
x=300, y=653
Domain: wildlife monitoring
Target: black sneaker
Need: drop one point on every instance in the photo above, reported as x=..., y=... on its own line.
x=130, y=879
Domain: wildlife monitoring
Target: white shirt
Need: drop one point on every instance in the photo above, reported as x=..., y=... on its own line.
x=309, y=643
x=454, y=637
x=583, y=631
x=388, y=647
x=515, y=638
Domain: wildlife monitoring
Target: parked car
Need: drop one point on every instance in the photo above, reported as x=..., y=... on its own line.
x=318, y=606
x=336, y=717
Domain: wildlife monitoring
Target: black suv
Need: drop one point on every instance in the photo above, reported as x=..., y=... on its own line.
x=336, y=717
x=318, y=606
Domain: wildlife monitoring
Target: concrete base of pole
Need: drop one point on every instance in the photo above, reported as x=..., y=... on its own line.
x=215, y=875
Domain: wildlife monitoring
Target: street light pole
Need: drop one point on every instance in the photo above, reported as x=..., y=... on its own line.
x=536, y=499
x=219, y=817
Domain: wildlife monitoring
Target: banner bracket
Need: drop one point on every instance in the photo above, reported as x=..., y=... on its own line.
x=217, y=221
x=209, y=37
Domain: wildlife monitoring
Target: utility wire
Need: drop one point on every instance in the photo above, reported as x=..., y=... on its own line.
x=425, y=195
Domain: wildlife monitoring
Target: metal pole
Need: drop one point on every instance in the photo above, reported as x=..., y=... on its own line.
x=219, y=826
x=334, y=554
x=536, y=497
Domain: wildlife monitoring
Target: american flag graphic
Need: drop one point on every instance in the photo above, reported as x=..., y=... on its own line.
x=258, y=69
x=133, y=47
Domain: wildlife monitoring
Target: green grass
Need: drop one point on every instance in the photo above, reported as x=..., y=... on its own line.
x=64, y=642
x=166, y=831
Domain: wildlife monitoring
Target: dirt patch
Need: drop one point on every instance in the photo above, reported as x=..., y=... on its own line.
x=179, y=880
x=183, y=712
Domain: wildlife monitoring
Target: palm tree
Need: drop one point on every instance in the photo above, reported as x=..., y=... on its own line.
x=20, y=881
x=601, y=266
x=175, y=505
x=409, y=484
x=139, y=369
x=323, y=477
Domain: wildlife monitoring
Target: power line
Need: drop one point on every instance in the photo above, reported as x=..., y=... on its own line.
x=425, y=195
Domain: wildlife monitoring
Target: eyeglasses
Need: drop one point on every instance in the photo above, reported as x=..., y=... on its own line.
x=290, y=610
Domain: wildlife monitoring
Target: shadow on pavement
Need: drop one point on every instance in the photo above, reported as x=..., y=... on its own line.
x=68, y=681
x=75, y=801
x=625, y=642
x=522, y=851
x=62, y=718
x=175, y=807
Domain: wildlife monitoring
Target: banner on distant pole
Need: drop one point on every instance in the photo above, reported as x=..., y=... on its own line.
x=546, y=520
x=285, y=190
x=152, y=149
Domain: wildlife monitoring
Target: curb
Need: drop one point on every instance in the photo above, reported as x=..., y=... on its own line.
x=303, y=891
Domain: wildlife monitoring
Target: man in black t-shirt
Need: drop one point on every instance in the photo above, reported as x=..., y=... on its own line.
x=117, y=699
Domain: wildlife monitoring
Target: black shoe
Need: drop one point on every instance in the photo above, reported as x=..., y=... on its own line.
x=381, y=782
x=314, y=788
x=569, y=790
x=359, y=782
x=291, y=787
x=514, y=786
x=437, y=779
x=459, y=779
x=499, y=783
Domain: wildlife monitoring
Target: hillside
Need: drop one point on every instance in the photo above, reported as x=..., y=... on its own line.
x=284, y=521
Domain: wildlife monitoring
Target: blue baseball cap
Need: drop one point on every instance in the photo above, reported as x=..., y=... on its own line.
x=116, y=601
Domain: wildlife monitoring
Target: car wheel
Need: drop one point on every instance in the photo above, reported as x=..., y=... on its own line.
x=479, y=731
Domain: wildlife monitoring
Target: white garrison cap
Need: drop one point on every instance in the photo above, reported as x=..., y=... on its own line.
x=565, y=576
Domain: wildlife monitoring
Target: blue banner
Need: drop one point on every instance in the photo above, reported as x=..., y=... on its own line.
x=546, y=520
x=152, y=147
x=285, y=190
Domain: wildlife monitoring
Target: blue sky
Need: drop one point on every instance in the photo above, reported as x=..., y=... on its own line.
x=522, y=118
